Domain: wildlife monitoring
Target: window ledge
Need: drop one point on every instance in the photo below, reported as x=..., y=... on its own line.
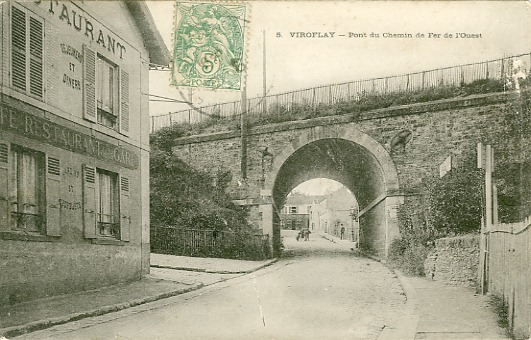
x=23, y=236
x=108, y=241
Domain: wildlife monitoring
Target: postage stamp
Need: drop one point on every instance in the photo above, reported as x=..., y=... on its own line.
x=208, y=45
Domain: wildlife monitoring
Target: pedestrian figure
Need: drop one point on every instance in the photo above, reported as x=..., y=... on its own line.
x=342, y=231
x=307, y=234
x=299, y=235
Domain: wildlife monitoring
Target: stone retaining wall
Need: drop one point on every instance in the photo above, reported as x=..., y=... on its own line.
x=454, y=260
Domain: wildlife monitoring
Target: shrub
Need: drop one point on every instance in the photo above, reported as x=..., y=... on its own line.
x=500, y=307
x=442, y=207
x=408, y=252
x=455, y=201
x=513, y=181
x=186, y=198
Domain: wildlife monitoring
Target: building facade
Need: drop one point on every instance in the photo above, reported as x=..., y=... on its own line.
x=336, y=211
x=295, y=214
x=74, y=145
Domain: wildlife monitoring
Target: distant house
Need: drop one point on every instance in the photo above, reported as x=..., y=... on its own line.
x=295, y=214
x=330, y=213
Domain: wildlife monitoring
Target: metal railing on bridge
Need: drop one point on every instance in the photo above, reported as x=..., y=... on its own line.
x=334, y=93
x=209, y=243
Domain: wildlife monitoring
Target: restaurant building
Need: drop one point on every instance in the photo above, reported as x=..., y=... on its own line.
x=74, y=145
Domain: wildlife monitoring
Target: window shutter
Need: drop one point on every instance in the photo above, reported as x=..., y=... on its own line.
x=89, y=88
x=36, y=51
x=53, y=194
x=18, y=48
x=124, y=102
x=125, y=209
x=4, y=191
x=89, y=201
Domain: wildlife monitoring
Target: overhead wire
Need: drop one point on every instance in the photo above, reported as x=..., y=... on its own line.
x=168, y=99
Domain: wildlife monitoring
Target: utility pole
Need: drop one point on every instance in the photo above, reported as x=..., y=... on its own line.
x=243, y=132
x=486, y=162
x=264, y=77
x=190, y=100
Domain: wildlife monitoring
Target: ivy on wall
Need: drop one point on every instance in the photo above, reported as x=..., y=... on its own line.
x=185, y=197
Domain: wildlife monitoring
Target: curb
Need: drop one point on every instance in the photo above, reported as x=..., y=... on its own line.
x=203, y=270
x=47, y=323
x=410, y=322
x=407, y=328
x=333, y=240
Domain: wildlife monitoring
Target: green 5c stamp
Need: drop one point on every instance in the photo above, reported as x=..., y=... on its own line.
x=208, y=45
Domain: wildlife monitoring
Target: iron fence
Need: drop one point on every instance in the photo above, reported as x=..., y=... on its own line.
x=334, y=93
x=209, y=243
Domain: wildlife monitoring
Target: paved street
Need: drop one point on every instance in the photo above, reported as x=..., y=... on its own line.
x=319, y=291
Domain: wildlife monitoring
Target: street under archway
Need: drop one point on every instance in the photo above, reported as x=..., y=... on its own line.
x=355, y=160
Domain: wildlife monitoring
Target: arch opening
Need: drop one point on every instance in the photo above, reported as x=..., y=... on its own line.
x=358, y=162
x=321, y=206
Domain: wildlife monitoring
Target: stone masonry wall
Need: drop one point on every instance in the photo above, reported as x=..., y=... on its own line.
x=434, y=131
x=437, y=131
x=454, y=260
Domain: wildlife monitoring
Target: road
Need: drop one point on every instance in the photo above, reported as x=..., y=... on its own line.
x=319, y=290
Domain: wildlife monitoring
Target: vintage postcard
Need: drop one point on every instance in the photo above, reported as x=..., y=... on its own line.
x=285, y=170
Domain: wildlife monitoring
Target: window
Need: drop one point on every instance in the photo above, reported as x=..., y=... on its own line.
x=293, y=210
x=106, y=92
x=107, y=203
x=27, y=36
x=26, y=189
x=30, y=183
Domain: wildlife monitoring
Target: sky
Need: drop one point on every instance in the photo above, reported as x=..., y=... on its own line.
x=296, y=63
x=495, y=29
x=318, y=186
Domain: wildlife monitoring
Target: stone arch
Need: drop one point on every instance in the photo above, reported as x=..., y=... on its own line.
x=359, y=162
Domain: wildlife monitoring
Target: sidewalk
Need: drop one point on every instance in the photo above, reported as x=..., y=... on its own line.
x=435, y=310
x=342, y=243
x=206, y=265
x=159, y=284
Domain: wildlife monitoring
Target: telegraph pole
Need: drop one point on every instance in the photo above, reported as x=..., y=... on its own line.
x=243, y=133
x=264, y=77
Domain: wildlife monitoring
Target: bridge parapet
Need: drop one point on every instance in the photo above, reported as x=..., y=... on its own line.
x=315, y=98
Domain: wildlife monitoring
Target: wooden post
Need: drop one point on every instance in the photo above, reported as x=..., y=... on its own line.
x=264, y=79
x=488, y=188
x=243, y=128
x=483, y=236
x=494, y=205
x=490, y=213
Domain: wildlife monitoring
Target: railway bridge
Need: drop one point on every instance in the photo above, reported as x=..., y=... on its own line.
x=378, y=137
x=380, y=156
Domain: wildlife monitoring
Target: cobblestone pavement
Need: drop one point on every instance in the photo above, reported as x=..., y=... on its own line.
x=318, y=291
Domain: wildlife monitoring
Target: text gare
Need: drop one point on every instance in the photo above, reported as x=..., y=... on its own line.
x=82, y=24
